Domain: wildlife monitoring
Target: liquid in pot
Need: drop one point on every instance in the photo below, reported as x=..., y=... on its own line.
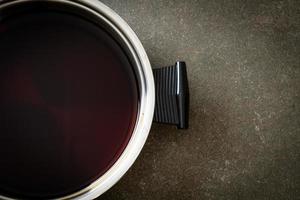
x=68, y=104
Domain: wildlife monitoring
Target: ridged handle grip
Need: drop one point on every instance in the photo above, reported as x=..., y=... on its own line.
x=172, y=95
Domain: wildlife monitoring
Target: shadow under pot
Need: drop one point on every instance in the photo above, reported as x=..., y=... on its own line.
x=77, y=98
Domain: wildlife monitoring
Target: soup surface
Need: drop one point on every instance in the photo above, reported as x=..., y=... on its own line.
x=68, y=104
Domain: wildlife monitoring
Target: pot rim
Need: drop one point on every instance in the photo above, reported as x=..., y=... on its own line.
x=146, y=89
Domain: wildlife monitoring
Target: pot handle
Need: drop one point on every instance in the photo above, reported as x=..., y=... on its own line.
x=172, y=95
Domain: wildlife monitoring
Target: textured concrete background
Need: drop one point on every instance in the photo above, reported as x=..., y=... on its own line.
x=244, y=70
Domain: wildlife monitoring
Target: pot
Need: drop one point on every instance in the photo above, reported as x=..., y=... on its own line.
x=162, y=96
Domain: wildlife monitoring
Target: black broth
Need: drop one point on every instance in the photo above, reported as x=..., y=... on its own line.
x=68, y=104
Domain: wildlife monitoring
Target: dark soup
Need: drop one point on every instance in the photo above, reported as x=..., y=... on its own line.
x=68, y=103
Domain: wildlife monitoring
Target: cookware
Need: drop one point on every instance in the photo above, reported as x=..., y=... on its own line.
x=78, y=97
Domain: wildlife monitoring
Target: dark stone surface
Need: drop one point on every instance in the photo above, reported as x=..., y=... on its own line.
x=244, y=70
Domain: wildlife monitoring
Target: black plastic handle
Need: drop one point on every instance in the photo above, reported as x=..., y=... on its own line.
x=172, y=95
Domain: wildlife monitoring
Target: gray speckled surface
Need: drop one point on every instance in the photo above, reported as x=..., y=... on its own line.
x=244, y=70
